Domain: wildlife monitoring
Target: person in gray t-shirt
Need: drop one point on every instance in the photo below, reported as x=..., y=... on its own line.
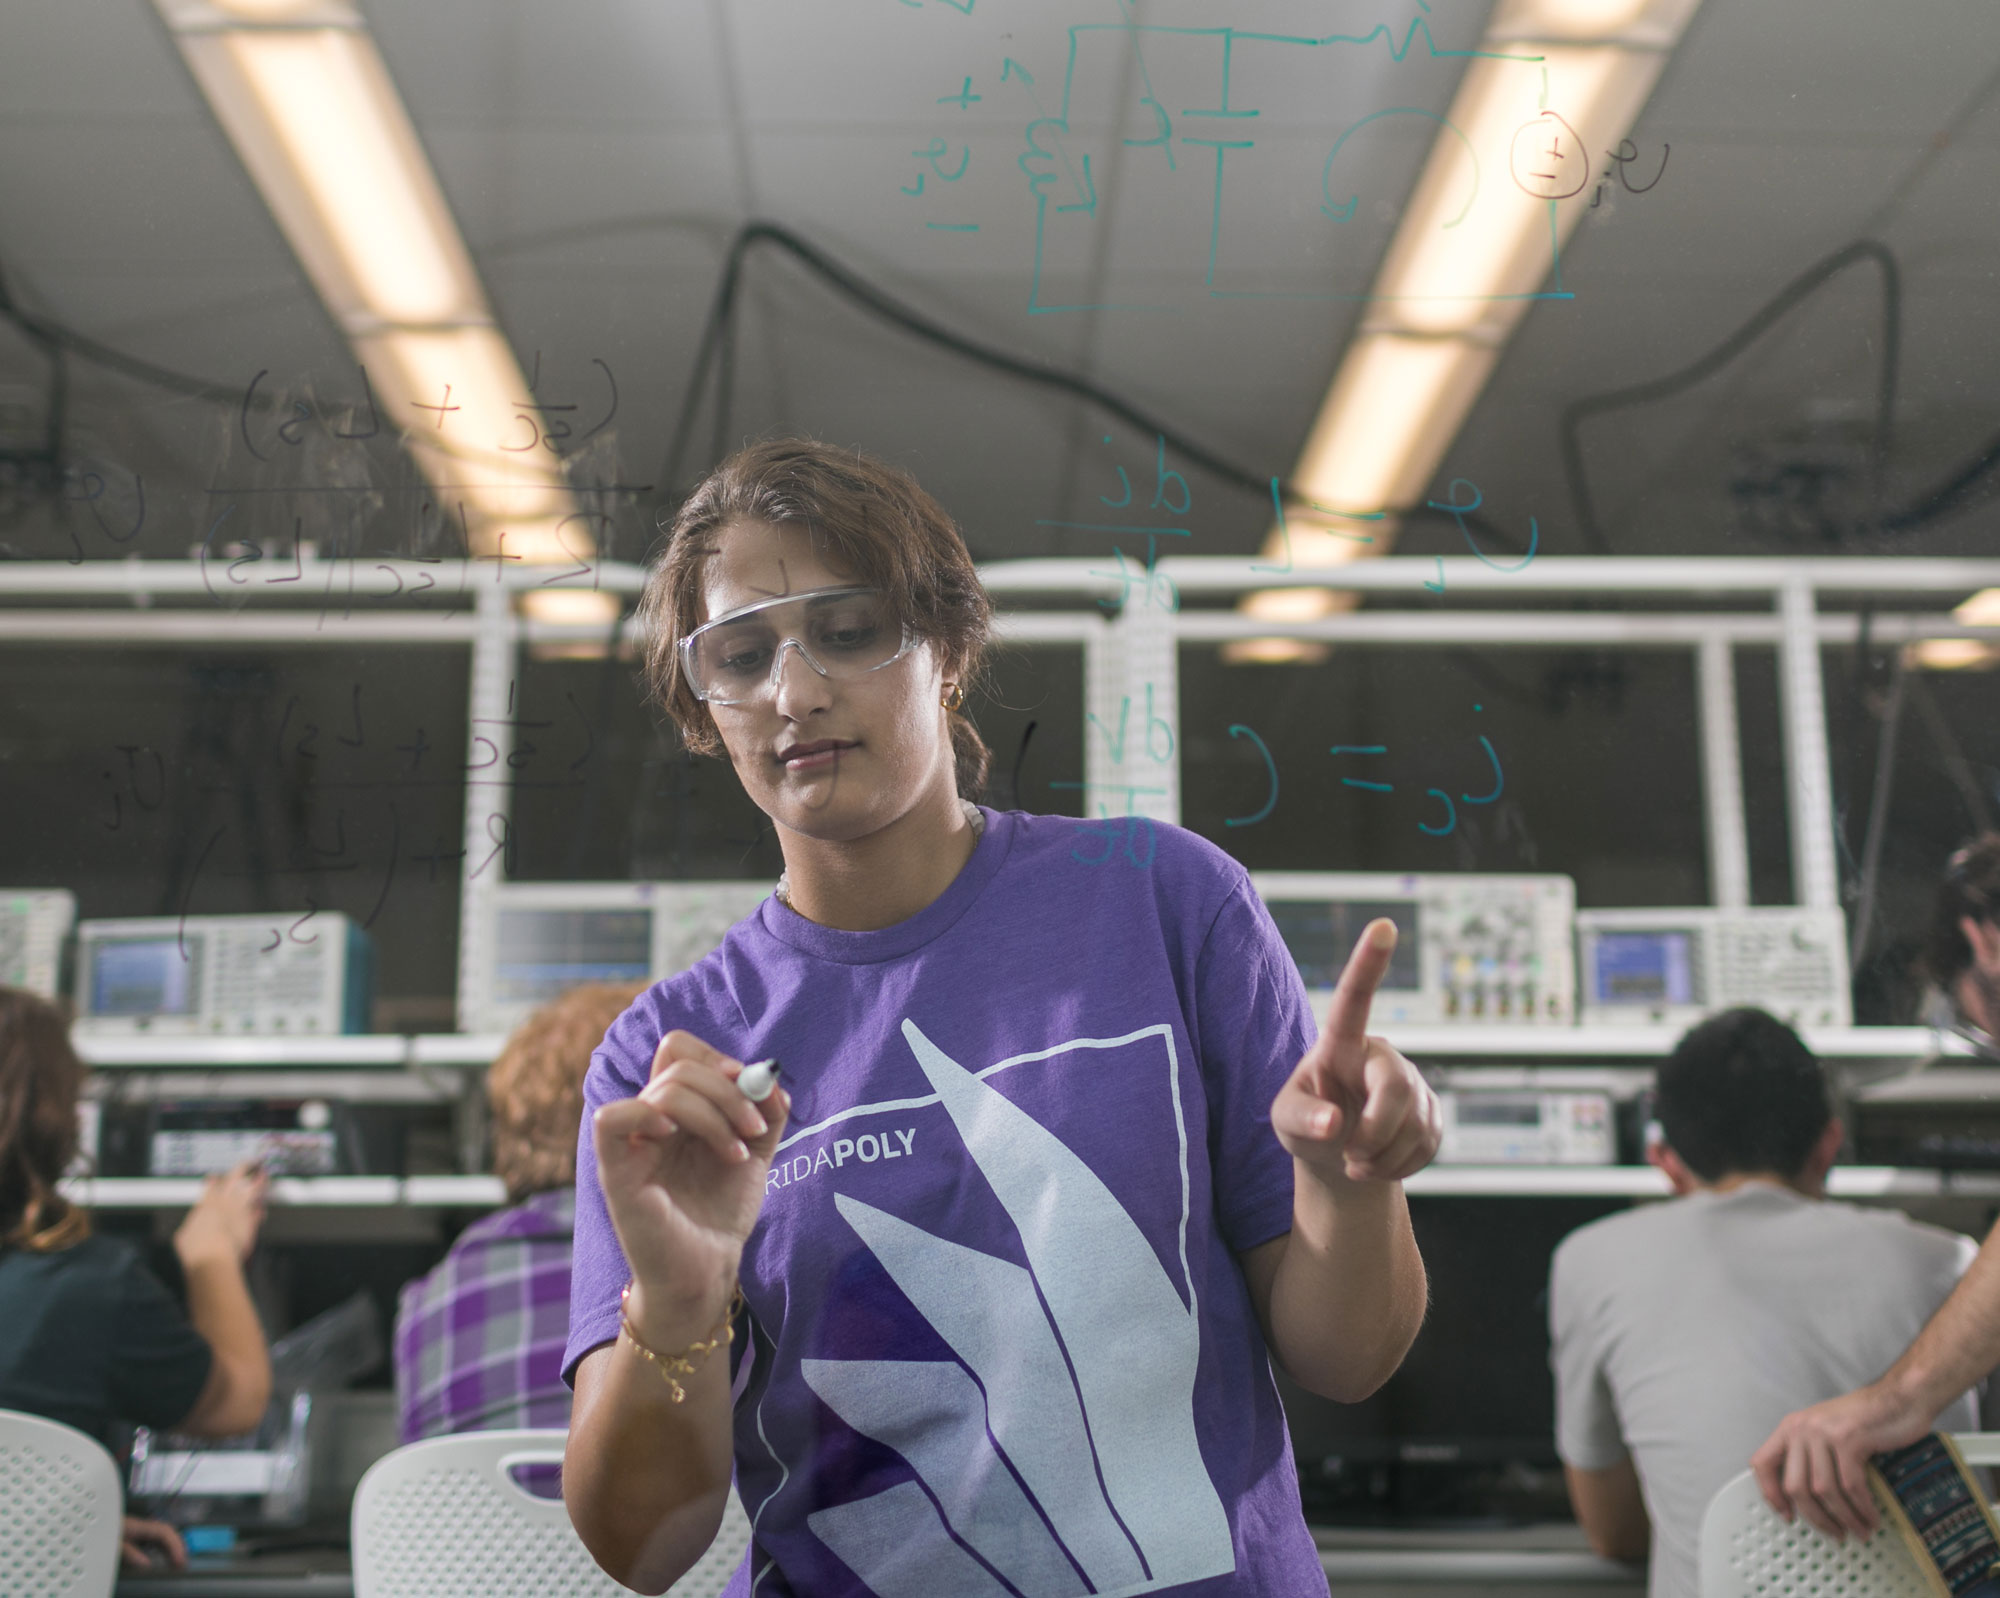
x=1681, y=1332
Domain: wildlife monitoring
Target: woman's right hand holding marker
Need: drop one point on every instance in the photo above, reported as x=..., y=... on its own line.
x=683, y=1167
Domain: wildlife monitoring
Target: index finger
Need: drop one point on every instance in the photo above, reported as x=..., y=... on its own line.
x=1347, y=1016
x=679, y=1045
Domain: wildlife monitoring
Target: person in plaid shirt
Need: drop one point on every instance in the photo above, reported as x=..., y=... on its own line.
x=479, y=1340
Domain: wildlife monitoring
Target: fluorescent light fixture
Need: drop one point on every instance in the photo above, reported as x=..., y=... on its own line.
x=266, y=11
x=319, y=124
x=1293, y=605
x=1275, y=652
x=1637, y=24
x=1480, y=230
x=462, y=397
x=1369, y=447
x=1953, y=654
x=572, y=607
x=1963, y=654
x=1507, y=181
x=1981, y=610
x=1564, y=19
x=304, y=96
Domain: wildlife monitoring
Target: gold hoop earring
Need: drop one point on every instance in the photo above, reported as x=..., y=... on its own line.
x=955, y=698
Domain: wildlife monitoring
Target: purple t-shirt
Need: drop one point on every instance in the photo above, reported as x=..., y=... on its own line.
x=1000, y=1343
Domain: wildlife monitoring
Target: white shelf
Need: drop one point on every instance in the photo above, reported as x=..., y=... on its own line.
x=1476, y=1569
x=1439, y=1181
x=1466, y=1042
x=222, y=1052
x=285, y=1082
x=1538, y=1181
x=455, y=1192
x=456, y=1048
x=296, y=1192
x=1598, y=1043
x=1643, y=1181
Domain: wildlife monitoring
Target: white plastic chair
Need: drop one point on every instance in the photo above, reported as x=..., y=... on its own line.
x=445, y=1518
x=1748, y=1552
x=60, y=1508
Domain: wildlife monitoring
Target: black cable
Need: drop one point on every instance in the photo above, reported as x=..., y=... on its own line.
x=53, y=334
x=719, y=349
x=1947, y=494
x=883, y=306
x=55, y=420
x=1791, y=295
x=1876, y=832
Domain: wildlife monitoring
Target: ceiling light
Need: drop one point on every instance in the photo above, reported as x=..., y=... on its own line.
x=573, y=607
x=1981, y=610
x=1274, y=652
x=1506, y=183
x=1478, y=234
x=1641, y=24
x=1290, y=604
x=304, y=96
x=1394, y=405
x=270, y=12
x=317, y=120
x=466, y=406
x=1564, y=19
x=1953, y=654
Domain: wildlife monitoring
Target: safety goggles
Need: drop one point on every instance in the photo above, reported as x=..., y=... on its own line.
x=842, y=633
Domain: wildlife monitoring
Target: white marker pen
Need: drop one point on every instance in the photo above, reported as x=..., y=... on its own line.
x=758, y=1080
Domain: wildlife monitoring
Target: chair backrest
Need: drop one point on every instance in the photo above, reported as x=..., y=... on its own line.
x=445, y=1518
x=1748, y=1552
x=60, y=1507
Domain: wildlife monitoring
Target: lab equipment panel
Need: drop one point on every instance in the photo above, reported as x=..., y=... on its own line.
x=34, y=925
x=1672, y=967
x=550, y=936
x=270, y=976
x=288, y=1138
x=1486, y=949
x=1503, y=1128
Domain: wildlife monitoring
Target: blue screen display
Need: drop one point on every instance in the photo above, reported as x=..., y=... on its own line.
x=144, y=976
x=1645, y=968
x=544, y=952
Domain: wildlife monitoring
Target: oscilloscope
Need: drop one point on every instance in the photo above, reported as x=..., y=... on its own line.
x=1493, y=949
x=549, y=936
x=257, y=974
x=1672, y=967
x=34, y=925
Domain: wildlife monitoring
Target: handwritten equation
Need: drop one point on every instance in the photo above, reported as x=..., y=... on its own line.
x=1190, y=121
x=1147, y=509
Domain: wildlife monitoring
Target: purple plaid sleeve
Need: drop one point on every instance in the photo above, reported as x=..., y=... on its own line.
x=479, y=1340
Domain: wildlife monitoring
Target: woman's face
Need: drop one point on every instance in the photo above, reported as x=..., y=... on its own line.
x=835, y=759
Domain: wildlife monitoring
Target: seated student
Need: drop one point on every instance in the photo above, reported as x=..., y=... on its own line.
x=1682, y=1331
x=479, y=1340
x=1962, y=948
x=88, y=1335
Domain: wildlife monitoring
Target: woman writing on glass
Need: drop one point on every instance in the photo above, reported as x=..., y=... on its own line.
x=1057, y=1164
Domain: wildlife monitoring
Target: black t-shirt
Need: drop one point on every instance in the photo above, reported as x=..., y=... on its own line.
x=90, y=1337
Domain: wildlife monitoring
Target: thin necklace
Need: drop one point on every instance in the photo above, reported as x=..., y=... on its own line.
x=975, y=818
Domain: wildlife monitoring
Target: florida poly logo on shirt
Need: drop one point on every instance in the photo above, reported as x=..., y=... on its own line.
x=1062, y=1451
x=867, y=1148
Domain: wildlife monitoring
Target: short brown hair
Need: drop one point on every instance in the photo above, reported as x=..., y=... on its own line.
x=535, y=1087
x=1971, y=887
x=871, y=518
x=40, y=1080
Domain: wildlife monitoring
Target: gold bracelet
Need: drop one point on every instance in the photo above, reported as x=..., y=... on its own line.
x=673, y=1366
